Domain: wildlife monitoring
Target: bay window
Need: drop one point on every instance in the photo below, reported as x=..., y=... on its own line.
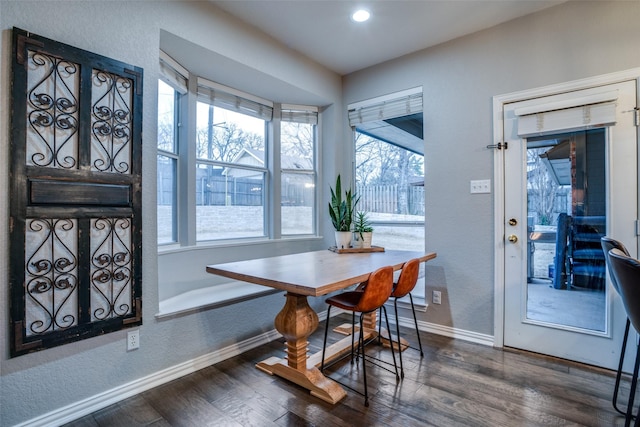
x=216, y=171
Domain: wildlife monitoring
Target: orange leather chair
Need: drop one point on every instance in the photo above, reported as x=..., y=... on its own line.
x=406, y=282
x=367, y=300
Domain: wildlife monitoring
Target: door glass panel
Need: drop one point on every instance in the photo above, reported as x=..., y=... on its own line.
x=566, y=217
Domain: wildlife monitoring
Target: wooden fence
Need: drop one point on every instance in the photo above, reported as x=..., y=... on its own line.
x=218, y=191
x=394, y=199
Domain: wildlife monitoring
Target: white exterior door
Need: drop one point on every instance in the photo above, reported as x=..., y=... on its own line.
x=570, y=176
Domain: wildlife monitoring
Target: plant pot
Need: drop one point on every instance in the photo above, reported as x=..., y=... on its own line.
x=357, y=241
x=362, y=239
x=343, y=239
x=365, y=238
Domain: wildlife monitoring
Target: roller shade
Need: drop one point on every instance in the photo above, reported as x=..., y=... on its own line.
x=388, y=109
x=234, y=100
x=173, y=73
x=586, y=112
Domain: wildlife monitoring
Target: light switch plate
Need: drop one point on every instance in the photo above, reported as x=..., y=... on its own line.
x=480, y=186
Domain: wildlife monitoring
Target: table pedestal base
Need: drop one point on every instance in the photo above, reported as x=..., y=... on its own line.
x=311, y=379
x=296, y=321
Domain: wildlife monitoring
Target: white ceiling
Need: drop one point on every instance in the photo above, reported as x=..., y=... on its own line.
x=323, y=31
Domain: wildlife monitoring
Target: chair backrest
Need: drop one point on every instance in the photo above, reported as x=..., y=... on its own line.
x=408, y=278
x=377, y=291
x=607, y=244
x=627, y=273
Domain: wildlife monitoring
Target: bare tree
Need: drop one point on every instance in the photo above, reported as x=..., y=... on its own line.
x=224, y=143
x=542, y=189
x=297, y=140
x=381, y=163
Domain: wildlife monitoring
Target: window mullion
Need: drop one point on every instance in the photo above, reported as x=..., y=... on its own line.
x=274, y=206
x=187, y=167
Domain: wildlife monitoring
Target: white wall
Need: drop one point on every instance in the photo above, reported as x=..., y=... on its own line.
x=568, y=42
x=41, y=382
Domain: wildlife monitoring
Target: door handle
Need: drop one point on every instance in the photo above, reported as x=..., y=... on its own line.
x=512, y=238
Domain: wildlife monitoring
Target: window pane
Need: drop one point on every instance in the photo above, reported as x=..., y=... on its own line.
x=167, y=166
x=298, y=190
x=166, y=117
x=390, y=183
x=226, y=136
x=398, y=237
x=297, y=145
x=167, y=200
x=298, y=196
x=229, y=203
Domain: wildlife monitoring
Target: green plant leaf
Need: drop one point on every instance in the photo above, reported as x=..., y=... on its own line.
x=341, y=211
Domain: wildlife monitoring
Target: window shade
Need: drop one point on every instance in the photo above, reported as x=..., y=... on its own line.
x=568, y=115
x=388, y=109
x=299, y=114
x=234, y=100
x=173, y=73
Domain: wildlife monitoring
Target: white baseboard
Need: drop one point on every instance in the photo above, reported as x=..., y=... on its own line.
x=447, y=331
x=102, y=400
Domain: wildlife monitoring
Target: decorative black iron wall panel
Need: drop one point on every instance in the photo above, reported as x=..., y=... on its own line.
x=75, y=203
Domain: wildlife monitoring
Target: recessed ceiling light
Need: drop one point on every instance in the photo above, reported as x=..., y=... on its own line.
x=360, y=15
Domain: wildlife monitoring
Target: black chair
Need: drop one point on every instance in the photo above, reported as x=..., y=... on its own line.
x=626, y=271
x=372, y=297
x=608, y=244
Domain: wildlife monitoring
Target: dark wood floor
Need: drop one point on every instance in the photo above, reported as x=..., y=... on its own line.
x=457, y=383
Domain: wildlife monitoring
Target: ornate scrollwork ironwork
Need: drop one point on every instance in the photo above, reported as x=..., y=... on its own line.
x=111, y=268
x=75, y=198
x=51, y=275
x=52, y=111
x=111, y=122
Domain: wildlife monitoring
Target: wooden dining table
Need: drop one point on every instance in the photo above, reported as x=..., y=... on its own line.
x=302, y=275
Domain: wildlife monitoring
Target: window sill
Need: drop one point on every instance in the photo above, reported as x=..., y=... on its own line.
x=222, y=244
x=419, y=303
x=211, y=297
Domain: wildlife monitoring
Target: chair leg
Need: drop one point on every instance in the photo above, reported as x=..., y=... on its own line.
x=632, y=391
x=324, y=345
x=415, y=320
x=623, y=350
x=380, y=328
x=364, y=363
x=393, y=352
x=353, y=334
x=395, y=307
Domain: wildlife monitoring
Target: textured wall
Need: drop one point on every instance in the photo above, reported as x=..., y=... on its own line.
x=571, y=41
x=38, y=383
x=567, y=42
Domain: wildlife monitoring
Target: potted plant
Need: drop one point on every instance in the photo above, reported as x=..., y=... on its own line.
x=341, y=211
x=362, y=230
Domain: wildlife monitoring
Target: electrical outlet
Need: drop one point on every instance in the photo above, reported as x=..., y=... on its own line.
x=437, y=297
x=133, y=340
